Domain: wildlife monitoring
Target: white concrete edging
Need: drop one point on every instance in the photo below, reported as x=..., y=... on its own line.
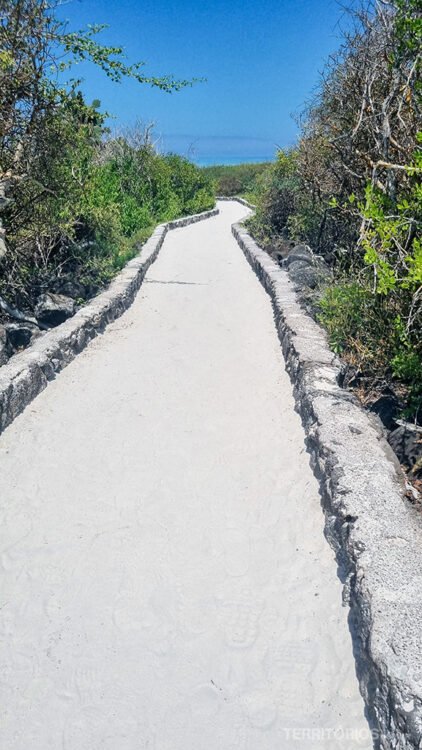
x=28, y=373
x=376, y=534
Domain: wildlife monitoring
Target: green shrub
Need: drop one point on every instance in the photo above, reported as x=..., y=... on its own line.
x=237, y=179
x=352, y=190
x=371, y=333
x=277, y=192
x=103, y=200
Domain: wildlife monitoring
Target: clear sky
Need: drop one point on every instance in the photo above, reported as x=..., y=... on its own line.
x=261, y=61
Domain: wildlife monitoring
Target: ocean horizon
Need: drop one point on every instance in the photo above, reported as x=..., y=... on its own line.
x=209, y=151
x=226, y=160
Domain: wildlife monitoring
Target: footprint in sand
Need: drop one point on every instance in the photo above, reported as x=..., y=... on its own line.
x=239, y=615
x=236, y=553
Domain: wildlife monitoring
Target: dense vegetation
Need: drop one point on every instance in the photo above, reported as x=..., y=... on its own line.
x=239, y=179
x=74, y=201
x=352, y=190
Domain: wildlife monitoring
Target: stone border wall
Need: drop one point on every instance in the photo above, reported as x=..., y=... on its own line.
x=28, y=373
x=376, y=534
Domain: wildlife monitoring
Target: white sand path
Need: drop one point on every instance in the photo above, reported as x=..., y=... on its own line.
x=165, y=580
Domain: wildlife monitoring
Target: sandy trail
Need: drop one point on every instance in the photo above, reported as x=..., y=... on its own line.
x=165, y=580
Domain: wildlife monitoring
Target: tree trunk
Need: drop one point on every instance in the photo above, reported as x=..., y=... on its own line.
x=13, y=312
x=4, y=202
x=3, y=246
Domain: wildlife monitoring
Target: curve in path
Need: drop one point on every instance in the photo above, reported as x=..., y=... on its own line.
x=166, y=583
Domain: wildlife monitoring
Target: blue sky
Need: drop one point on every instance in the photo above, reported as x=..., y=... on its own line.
x=261, y=61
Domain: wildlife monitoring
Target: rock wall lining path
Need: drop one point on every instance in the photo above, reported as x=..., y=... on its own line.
x=166, y=582
x=376, y=534
x=27, y=374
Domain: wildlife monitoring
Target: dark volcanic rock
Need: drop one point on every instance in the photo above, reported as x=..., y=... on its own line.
x=278, y=256
x=406, y=442
x=303, y=274
x=279, y=249
x=349, y=376
x=300, y=253
x=53, y=309
x=20, y=335
x=387, y=407
x=70, y=288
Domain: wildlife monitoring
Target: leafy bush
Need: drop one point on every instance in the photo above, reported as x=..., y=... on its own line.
x=107, y=198
x=278, y=194
x=239, y=179
x=352, y=190
x=74, y=203
x=369, y=332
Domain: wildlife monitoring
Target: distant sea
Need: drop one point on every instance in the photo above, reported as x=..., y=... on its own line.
x=215, y=159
